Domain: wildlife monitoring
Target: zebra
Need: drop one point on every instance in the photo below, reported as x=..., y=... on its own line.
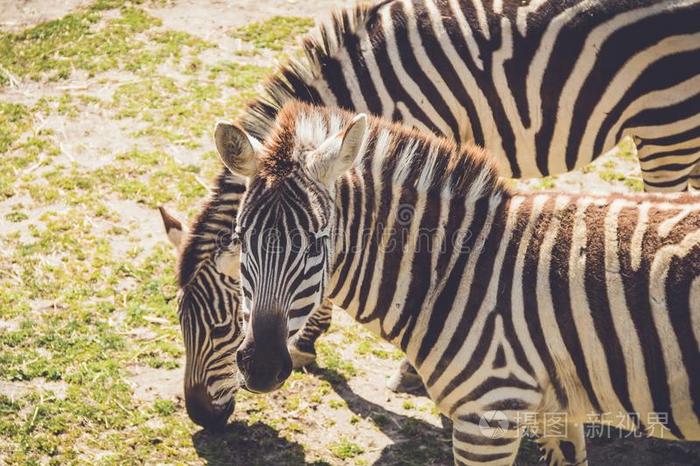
x=208, y=305
x=544, y=86
x=208, y=309
x=511, y=305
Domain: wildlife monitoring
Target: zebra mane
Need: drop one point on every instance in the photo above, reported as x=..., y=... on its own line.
x=211, y=229
x=216, y=218
x=422, y=161
x=294, y=79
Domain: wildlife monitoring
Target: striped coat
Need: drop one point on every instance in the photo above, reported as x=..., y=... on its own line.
x=545, y=86
x=580, y=306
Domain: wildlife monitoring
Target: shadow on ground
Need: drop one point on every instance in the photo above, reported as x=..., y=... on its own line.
x=248, y=445
x=416, y=442
x=614, y=448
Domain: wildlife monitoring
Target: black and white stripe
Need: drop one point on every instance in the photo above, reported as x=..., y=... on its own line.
x=508, y=304
x=545, y=86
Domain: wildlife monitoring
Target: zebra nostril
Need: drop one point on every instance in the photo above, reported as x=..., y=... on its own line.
x=285, y=369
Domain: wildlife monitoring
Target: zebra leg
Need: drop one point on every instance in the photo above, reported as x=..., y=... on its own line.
x=666, y=168
x=406, y=379
x=694, y=178
x=485, y=439
x=569, y=450
x=301, y=345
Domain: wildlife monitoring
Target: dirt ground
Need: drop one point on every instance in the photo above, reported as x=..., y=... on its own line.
x=91, y=359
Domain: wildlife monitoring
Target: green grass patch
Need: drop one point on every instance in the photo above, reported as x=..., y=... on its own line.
x=244, y=77
x=345, y=449
x=275, y=33
x=83, y=40
x=164, y=407
x=634, y=184
x=371, y=347
x=329, y=358
x=15, y=119
x=76, y=41
x=182, y=113
x=548, y=182
x=611, y=176
x=16, y=216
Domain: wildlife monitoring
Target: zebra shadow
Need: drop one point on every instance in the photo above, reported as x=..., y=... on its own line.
x=415, y=442
x=240, y=444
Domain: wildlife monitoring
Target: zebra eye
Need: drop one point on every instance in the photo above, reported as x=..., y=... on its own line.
x=235, y=238
x=220, y=330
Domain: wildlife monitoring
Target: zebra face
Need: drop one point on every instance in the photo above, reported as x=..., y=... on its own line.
x=212, y=326
x=284, y=231
x=284, y=250
x=212, y=329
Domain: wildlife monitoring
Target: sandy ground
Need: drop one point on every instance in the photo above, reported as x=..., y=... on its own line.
x=16, y=15
x=94, y=138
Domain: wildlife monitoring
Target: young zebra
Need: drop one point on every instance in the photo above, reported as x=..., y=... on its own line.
x=545, y=86
x=512, y=306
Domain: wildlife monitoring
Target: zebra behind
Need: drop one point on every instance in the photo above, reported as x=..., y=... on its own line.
x=545, y=86
x=508, y=304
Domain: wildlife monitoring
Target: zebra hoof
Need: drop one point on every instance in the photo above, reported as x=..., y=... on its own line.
x=404, y=382
x=301, y=358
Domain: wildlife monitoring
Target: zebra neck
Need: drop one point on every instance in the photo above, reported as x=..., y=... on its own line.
x=396, y=250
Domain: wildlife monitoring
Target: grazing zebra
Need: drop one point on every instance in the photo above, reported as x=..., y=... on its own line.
x=515, y=308
x=493, y=72
x=544, y=86
x=208, y=305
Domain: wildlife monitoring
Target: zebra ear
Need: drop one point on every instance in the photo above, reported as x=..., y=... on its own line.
x=236, y=149
x=337, y=154
x=173, y=228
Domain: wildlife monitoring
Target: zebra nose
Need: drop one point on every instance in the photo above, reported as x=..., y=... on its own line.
x=264, y=370
x=203, y=411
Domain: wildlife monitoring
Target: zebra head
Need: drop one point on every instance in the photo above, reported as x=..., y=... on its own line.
x=284, y=230
x=212, y=327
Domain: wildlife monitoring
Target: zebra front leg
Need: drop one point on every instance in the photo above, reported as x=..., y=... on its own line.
x=694, y=178
x=666, y=168
x=565, y=450
x=405, y=379
x=487, y=438
x=301, y=345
